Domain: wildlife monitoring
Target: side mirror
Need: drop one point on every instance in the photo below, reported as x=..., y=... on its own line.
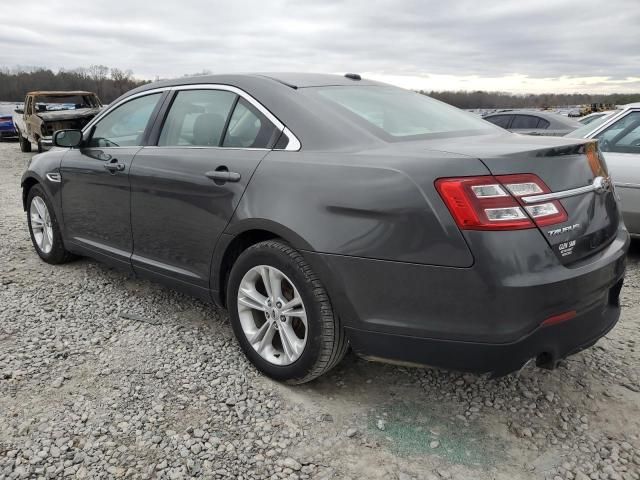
x=67, y=138
x=19, y=110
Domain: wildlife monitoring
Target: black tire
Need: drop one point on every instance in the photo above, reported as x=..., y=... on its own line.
x=58, y=253
x=40, y=147
x=25, y=144
x=326, y=340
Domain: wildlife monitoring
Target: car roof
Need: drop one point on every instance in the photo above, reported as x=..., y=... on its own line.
x=290, y=79
x=303, y=80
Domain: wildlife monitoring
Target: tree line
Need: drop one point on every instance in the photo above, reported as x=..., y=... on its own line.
x=482, y=99
x=108, y=83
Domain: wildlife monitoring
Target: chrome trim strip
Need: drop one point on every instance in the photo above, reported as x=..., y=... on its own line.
x=293, y=145
x=203, y=147
x=54, y=177
x=597, y=184
x=626, y=185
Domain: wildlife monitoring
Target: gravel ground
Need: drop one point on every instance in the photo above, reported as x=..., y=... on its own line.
x=103, y=375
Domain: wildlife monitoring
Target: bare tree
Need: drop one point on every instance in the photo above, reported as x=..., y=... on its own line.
x=99, y=74
x=121, y=79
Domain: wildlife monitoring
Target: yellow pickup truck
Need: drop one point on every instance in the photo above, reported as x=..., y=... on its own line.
x=44, y=112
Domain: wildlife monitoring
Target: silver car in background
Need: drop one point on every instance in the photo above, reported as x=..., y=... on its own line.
x=618, y=134
x=533, y=122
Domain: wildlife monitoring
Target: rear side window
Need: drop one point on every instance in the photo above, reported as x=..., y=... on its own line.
x=524, y=121
x=248, y=128
x=623, y=136
x=197, y=118
x=542, y=123
x=500, y=120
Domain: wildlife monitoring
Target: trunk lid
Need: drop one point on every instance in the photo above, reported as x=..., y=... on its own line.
x=562, y=164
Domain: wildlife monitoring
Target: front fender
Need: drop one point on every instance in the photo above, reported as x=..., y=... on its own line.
x=40, y=165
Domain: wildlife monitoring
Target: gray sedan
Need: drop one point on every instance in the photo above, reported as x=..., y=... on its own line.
x=619, y=136
x=528, y=122
x=333, y=212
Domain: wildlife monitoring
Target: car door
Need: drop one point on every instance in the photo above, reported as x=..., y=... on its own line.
x=186, y=187
x=620, y=144
x=95, y=181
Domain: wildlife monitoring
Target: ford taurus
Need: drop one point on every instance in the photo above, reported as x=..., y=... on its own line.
x=328, y=213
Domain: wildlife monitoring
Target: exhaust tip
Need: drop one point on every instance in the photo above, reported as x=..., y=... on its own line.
x=546, y=360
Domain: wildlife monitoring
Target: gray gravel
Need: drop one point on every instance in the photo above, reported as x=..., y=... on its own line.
x=106, y=376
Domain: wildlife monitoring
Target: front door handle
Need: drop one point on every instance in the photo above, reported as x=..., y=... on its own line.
x=222, y=176
x=113, y=166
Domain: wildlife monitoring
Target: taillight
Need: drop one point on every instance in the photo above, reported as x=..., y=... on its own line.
x=493, y=202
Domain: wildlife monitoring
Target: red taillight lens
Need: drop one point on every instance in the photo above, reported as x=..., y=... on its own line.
x=493, y=203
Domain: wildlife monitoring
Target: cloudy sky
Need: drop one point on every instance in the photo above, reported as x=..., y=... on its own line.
x=508, y=45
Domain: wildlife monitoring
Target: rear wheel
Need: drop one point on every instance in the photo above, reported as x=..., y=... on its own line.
x=25, y=144
x=281, y=314
x=44, y=228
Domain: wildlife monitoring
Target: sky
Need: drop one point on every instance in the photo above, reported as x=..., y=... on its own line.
x=519, y=46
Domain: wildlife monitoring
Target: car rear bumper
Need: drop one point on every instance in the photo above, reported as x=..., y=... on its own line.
x=546, y=345
x=485, y=318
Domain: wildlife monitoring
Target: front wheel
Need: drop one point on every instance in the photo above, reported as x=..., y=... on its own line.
x=281, y=314
x=44, y=228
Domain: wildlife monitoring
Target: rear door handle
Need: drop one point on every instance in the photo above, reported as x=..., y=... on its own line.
x=223, y=176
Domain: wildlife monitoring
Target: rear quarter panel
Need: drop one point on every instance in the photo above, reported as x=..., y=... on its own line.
x=367, y=205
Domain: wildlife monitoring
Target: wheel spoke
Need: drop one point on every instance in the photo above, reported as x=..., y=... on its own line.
x=290, y=341
x=275, y=280
x=36, y=221
x=260, y=333
x=40, y=207
x=45, y=240
x=297, y=313
x=264, y=274
x=296, y=301
x=267, y=338
x=253, y=299
x=49, y=235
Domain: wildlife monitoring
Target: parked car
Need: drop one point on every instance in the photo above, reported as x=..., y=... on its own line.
x=328, y=211
x=45, y=112
x=534, y=123
x=619, y=137
x=587, y=119
x=7, y=128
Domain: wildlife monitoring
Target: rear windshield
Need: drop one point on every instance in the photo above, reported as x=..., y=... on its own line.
x=401, y=114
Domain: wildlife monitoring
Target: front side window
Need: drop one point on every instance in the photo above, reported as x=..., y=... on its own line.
x=623, y=136
x=524, y=121
x=397, y=113
x=125, y=126
x=197, y=118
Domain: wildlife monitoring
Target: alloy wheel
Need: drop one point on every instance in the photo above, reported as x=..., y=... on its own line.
x=272, y=315
x=41, y=224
